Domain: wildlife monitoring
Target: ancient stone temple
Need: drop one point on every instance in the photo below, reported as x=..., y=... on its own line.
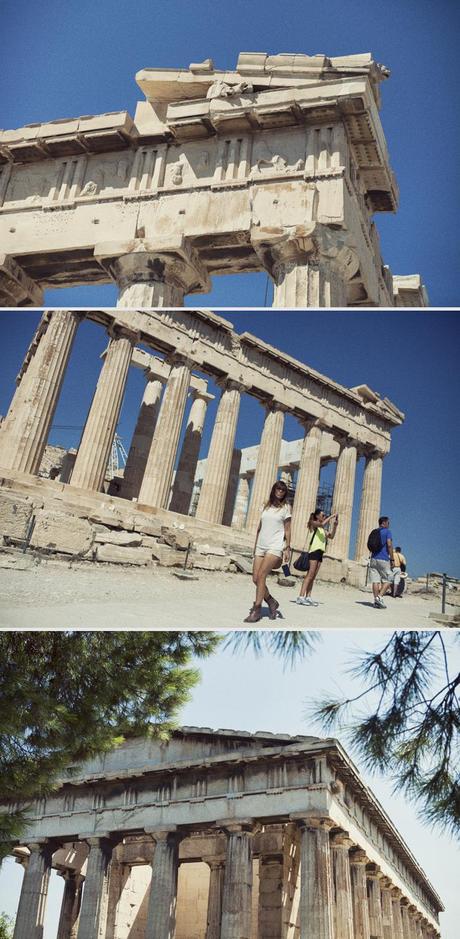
x=278, y=166
x=335, y=423
x=222, y=835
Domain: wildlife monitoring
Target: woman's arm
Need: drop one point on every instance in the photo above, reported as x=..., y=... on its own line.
x=257, y=535
x=287, y=535
x=335, y=521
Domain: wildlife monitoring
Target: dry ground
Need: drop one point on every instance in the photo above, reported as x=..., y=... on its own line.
x=55, y=594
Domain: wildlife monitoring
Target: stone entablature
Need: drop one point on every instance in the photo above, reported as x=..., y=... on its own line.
x=208, y=794
x=277, y=166
x=156, y=476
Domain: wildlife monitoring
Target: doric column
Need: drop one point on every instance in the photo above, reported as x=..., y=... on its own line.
x=97, y=438
x=397, y=918
x=310, y=267
x=161, y=915
x=153, y=275
x=270, y=918
x=267, y=463
x=369, y=510
x=358, y=861
x=188, y=460
x=307, y=485
x=237, y=892
x=24, y=432
x=142, y=437
x=375, y=901
x=342, y=501
x=387, y=908
x=70, y=906
x=316, y=879
x=93, y=912
x=213, y=493
x=341, y=881
x=241, y=503
x=156, y=484
x=216, y=885
x=32, y=903
x=232, y=488
x=407, y=933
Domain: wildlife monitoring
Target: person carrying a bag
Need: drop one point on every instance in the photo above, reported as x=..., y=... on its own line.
x=310, y=560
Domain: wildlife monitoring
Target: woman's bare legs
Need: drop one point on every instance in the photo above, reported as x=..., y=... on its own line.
x=261, y=568
x=307, y=583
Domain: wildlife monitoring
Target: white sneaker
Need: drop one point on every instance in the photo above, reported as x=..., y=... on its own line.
x=379, y=602
x=301, y=601
x=309, y=602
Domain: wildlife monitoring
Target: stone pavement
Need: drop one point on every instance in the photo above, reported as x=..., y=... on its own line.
x=54, y=594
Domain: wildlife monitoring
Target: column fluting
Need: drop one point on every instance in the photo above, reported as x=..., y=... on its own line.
x=396, y=909
x=375, y=902
x=213, y=493
x=267, y=463
x=241, y=503
x=341, y=881
x=97, y=438
x=342, y=502
x=307, y=486
x=156, y=484
x=142, y=438
x=216, y=885
x=369, y=510
x=24, y=432
x=161, y=915
x=387, y=908
x=93, y=910
x=358, y=861
x=70, y=906
x=32, y=903
x=188, y=460
x=316, y=879
x=237, y=892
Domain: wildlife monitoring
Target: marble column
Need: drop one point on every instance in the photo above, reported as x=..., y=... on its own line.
x=307, y=485
x=32, y=903
x=97, y=438
x=308, y=282
x=161, y=914
x=387, y=908
x=341, y=881
x=93, y=912
x=358, y=861
x=147, y=277
x=374, y=901
x=267, y=463
x=342, y=501
x=24, y=432
x=397, y=918
x=70, y=906
x=216, y=885
x=213, y=493
x=369, y=510
x=316, y=917
x=237, y=892
x=232, y=488
x=156, y=484
x=142, y=437
x=188, y=460
x=405, y=917
x=241, y=503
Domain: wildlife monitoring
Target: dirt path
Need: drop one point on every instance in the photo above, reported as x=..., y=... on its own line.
x=54, y=595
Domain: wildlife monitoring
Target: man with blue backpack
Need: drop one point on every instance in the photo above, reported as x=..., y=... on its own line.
x=380, y=544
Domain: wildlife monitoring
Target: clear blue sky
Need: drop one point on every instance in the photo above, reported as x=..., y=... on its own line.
x=410, y=357
x=271, y=698
x=69, y=59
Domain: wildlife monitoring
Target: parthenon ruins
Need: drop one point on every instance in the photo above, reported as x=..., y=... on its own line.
x=222, y=835
x=278, y=166
x=335, y=423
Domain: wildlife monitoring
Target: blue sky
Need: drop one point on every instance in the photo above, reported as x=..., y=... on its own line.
x=69, y=59
x=409, y=357
x=256, y=706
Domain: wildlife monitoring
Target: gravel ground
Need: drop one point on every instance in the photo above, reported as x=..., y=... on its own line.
x=56, y=595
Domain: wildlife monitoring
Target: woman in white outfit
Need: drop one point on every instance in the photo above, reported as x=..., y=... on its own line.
x=273, y=539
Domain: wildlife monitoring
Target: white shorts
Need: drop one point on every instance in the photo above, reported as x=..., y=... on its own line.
x=260, y=551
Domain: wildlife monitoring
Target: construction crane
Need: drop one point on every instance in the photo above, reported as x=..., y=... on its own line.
x=118, y=457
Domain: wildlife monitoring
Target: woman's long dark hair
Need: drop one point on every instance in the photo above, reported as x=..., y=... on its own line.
x=272, y=498
x=313, y=518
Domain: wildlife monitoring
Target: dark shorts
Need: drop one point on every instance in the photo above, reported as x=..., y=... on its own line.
x=316, y=555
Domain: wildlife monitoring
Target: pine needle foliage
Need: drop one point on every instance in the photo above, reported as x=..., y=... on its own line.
x=410, y=726
x=69, y=696
x=289, y=645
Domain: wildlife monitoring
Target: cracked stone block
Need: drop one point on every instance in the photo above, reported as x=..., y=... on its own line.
x=117, y=554
x=207, y=563
x=166, y=556
x=128, y=539
x=15, y=515
x=66, y=534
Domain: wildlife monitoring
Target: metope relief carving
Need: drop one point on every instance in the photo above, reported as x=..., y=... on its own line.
x=30, y=185
x=278, y=154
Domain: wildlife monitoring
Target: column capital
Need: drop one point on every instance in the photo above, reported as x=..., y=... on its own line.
x=312, y=821
x=214, y=862
x=295, y=244
x=175, y=359
x=162, y=835
x=358, y=856
x=120, y=331
x=344, y=439
x=196, y=394
x=396, y=893
x=142, y=261
x=373, y=871
x=341, y=839
x=226, y=383
x=235, y=826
